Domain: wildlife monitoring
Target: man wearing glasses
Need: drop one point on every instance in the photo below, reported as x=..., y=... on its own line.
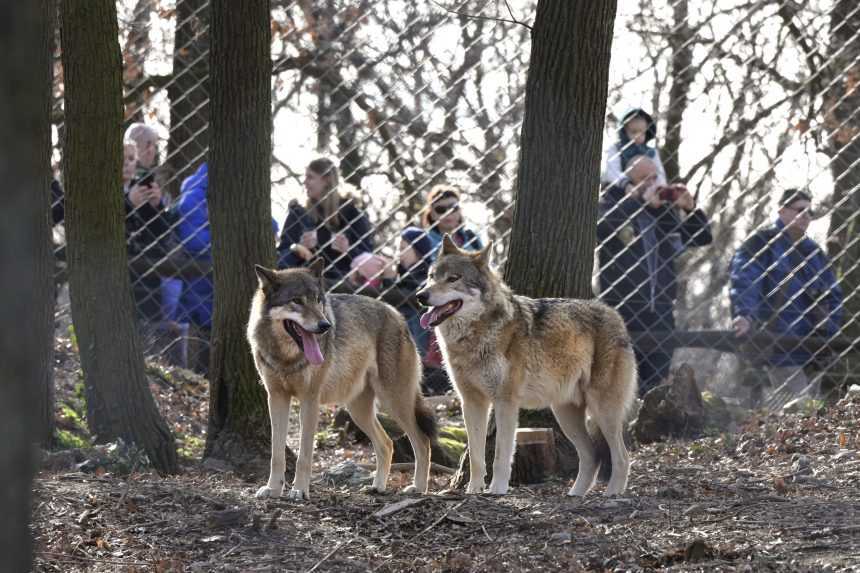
x=782, y=282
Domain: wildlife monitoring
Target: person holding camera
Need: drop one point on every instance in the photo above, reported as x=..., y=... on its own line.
x=329, y=226
x=642, y=228
x=782, y=282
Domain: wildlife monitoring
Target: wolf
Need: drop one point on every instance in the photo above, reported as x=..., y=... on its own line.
x=512, y=352
x=335, y=348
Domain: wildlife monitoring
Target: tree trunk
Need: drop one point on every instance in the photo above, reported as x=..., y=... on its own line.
x=841, y=104
x=119, y=403
x=555, y=217
x=683, y=74
x=240, y=219
x=25, y=272
x=188, y=93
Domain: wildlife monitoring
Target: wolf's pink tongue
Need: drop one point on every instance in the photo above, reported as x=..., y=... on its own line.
x=427, y=318
x=312, y=348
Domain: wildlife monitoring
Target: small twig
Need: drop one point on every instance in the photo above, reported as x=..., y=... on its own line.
x=484, y=529
x=420, y=533
x=329, y=554
x=480, y=17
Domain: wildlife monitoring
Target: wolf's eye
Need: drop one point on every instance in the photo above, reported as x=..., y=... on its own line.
x=453, y=278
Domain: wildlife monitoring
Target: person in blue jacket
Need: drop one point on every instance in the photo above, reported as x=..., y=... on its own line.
x=781, y=281
x=328, y=226
x=192, y=232
x=641, y=230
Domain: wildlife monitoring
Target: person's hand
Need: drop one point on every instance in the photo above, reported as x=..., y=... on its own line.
x=309, y=240
x=153, y=194
x=390, y=270
x=685, y=199
x=137, y=195
x=651, y=196
x=302, y=251
x=741, y=325
x=340, y=243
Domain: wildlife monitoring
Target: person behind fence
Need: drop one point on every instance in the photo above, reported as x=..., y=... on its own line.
x=329, y=225
x=145, y=139
x=635, y=135
x=148, y=231
x=441, y=215
x=781, y=281
x=642, y=228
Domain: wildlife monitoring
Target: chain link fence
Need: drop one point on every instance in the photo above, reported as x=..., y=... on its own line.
x=744, y=100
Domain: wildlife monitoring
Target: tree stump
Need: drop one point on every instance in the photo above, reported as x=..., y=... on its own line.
x=674, y=409
x=534, y=457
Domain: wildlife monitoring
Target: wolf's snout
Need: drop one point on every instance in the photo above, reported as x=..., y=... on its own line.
x=423, y=297
x=323, y=326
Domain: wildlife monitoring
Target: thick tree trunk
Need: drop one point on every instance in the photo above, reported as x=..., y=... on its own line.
x=25, y=275
x=240, y=218
x=555, y=217
x=841, y=104
x=119, y=403
x=189, y=92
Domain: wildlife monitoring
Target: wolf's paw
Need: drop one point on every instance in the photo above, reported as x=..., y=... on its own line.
x=475, y=487
x=573, y=492
x=497, y=488
x=267, y=492
x=373, y=490
x=412, y=490
x=298, y=494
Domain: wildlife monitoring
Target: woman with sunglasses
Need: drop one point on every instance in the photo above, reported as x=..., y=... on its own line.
x=441, y=215
x=329, y=225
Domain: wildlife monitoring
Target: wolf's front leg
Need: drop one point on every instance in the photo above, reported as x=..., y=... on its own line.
x=507, y=414
x=310, y=413
x=475, y=411
x=279, y=414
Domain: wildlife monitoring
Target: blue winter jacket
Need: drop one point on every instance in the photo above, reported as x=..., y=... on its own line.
x=637, y=248
x=808, y=303
x=192, y=232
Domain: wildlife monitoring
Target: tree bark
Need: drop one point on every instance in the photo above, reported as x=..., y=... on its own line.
x=240, y=219
x=25, y=270
x=841, y=104
x=555, y=217
x=683, y=75
x=119, y=403
x=188, y=93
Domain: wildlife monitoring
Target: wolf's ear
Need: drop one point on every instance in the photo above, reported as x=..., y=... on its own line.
x=317, y=267
x=483, y=257
x=448, y=246
x=265, y=276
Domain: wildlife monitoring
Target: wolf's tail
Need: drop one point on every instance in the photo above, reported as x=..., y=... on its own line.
x=425, y=418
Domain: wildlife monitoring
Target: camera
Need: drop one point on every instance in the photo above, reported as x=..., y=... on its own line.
x=670, y=193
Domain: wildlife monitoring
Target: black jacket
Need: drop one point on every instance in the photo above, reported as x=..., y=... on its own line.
x=637, y=248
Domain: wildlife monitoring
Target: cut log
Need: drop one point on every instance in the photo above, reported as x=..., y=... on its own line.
x=535, y=457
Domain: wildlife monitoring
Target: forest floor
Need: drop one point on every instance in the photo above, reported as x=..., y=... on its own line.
x=782, y=493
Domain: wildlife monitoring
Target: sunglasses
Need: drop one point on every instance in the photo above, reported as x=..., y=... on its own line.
x=442, y=209
x=802, y=210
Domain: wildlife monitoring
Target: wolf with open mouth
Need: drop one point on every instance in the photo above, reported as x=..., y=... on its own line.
x=335, y=348
x=510, y=352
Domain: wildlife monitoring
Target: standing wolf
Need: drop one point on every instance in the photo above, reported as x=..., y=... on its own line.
x=515, y=352
x=337, y=348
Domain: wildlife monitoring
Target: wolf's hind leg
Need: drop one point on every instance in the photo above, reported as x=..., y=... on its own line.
x=476, y=409
x=571, y=419
x=610, y=422
x=279, y=414
x=362, y=410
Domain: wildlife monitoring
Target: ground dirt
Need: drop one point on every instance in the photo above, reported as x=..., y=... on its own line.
x=780, y=494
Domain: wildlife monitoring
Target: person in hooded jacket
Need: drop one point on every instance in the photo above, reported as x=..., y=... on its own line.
x=636, y=136
x=783, y=282
x=640, y=235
